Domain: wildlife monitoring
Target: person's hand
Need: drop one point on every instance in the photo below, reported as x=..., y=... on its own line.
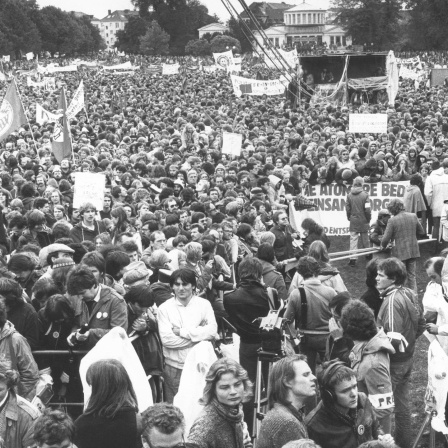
x=82, y=337
x=294, y=235
x=139, y=325
x=176, y=331
x=386, y=438
x=335, y=329
x=432, y=328
x=209, y=264
x=69, y=339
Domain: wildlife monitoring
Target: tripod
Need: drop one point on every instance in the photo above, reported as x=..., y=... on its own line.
x=432, y=433
x=261, y=390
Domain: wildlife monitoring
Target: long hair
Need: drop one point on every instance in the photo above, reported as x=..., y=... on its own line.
x=216, y=371
x=111, y=389
x=123, y=220
x=319, y=252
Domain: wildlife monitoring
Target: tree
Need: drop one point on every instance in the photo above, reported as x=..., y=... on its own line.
x=198, y=47
x=221, y=43
x=128, y=40
x=155, y=41
x=427, y=27
x=370, y=21
x=238, y=30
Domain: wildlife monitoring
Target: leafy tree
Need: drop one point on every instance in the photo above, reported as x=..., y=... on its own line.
x=155, y=41
x=198, y=47
x=427, y=27
x=16, y=24
x=238, y=30
x=370, y=21
x=128, y=40
x=220, y=43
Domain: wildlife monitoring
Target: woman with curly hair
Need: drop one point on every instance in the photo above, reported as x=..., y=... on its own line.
x=221, y=424
x=370, y=358
x=312, y=231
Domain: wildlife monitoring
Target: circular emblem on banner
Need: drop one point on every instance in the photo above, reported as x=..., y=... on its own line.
x=6, y=116
x=361, y=430
x=56, y=334
x=223, y=61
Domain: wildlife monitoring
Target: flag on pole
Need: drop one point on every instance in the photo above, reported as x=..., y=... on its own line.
x=62, y=143
x=77, y=103
x=43, y=116
x=12, y=114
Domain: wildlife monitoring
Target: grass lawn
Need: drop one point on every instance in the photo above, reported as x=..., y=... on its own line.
x=354, y=278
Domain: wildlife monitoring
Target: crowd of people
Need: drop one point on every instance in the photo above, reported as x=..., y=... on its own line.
x=190, y=240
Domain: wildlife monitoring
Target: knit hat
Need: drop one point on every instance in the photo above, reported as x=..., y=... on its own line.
x=135, y=271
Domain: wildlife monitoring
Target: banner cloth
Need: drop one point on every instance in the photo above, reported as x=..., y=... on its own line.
x=246, y=86
x=331, y=200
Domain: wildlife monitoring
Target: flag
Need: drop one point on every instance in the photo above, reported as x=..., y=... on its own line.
x=62, y=143
x=12, y=115
x=29, y=56
x=184, y=83
x=77, y=103
x=43, y=116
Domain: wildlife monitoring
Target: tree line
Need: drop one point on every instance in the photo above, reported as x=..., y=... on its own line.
x=24, y=27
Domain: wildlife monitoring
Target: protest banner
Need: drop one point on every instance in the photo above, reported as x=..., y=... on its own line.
x=368, y=123
x=209, y=68
x=77, y=103
x=31, y=83
x=43, y=116
x=66, y=68
x=222, y=60
x=247, y=86
x=231, y=143
x=124, y=66
x=331, y=203
x=89, y=187
x=408, y=73
x=170, y=69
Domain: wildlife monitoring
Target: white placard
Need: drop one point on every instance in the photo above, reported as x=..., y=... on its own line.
x=368, y=123
x=170, y=69
x=89, y=187
x=231, y=143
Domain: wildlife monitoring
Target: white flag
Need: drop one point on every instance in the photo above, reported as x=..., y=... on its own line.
x=43, y=116
x=29, y=56
x=77, y=103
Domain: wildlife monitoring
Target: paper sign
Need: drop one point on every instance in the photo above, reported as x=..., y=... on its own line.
x=89, y=187
x=231, y=143
x=368, y=123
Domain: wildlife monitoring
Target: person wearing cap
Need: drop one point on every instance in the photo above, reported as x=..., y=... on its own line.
x=88, y=228
x=359, y=215
x=377, y=230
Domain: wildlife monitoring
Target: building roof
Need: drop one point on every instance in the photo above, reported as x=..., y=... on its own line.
x=214, y=27
x=272, y=11
x=119, y=16
x=305, y=7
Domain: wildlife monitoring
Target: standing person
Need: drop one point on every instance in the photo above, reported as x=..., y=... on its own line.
x=377, y=230
x=221, y=424
x=184, y=320
x=284, y=236
x=401, y=317
x=271, y=277
x=344, y=417
x=88, y=229
x=17, y=415
x=291, y=382
x=436, y=191
x=95, y=304
x=403, y=228
x=110, y=417
x=370, y=359
x=359, y=215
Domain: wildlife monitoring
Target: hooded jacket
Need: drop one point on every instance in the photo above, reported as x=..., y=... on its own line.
x=358, y=210
x=370, y=361
x=22, y=360
x=413, y=199
x=436, y=191
x=79, y=233
x=274, y=279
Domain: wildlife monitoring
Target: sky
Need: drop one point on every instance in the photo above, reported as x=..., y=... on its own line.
x=99, y=8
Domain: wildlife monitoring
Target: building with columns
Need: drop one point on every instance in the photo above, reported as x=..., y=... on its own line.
x=306, y=23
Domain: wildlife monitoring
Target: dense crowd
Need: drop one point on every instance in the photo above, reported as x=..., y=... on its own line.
x=192, y=242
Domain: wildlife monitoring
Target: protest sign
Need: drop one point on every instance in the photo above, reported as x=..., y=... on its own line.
x=210, y=68
x=331, y=204
x=43, y=116
x=31, y=83
x=222, y=60
x=77, y=103
x=29, y=56
x=170, y=69
x=247, y=86
x=368, y=123
x=231, y=143
x=89, y=187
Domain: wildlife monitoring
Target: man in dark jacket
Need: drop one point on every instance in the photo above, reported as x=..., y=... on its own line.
x=344, y=417
x=88, y=228
x=358, y=213
x=271, y=277
x=284, y=236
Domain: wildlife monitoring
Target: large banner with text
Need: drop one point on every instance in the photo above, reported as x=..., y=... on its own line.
x=331, y=203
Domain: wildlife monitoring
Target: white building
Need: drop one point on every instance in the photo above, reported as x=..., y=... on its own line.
x=306, y=23
x=212, y=28
x=113, y=22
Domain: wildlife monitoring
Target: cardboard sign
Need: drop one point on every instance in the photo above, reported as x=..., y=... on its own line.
x=231, y=143
x=89, y=187
x=368, y=123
